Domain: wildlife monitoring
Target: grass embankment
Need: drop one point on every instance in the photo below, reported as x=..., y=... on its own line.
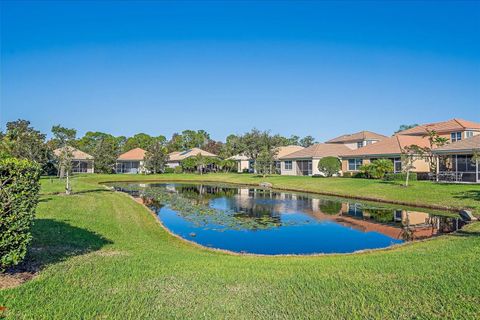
x=105, y=256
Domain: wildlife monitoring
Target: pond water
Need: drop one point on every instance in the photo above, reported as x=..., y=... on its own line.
x=266, y=221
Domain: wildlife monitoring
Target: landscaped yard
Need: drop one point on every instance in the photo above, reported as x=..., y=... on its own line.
x=104, y=256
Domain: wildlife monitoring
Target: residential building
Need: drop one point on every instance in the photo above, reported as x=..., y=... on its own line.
x=391, y=148
x=244, y=163
x=175, y=158
x=454, y=129
x=305, y=162
x=458, y=158
x=358, y=140
x=81, y=162
x=132, y=161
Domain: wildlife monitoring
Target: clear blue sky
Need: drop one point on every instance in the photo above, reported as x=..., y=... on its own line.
x=302, y=68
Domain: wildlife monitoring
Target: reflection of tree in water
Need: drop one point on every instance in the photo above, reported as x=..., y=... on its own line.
x=191, y=202
x=330, y=206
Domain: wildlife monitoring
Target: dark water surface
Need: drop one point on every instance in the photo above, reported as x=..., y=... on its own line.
x=265, y=221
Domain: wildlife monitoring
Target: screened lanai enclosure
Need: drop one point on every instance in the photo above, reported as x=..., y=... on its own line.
x=128, y=167
x=458, y=168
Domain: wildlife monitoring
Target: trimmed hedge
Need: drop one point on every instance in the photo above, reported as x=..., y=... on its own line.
x=169, y=170
x=19, y=191
x=400, y=176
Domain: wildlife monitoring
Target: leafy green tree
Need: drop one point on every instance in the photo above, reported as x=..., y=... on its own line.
x=233, y=145
x=307, y=141
x=435, y=141
x=228, y=165
x=189, y=164
x=406, y=127
x=265, y=162
x=156, y=157
x=256, y=142
x=24, y=142
x=329, y=166
x=409, y=155
x=63, y=137
x=105, y=153
x=142, y=140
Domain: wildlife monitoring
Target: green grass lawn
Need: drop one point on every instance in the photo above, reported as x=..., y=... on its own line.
x=104, y=256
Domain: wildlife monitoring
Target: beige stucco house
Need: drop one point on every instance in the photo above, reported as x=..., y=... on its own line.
x=81, y=162
x=358, y=140
x=305, y=162
x=244, y=163
x=458, y=158
x=132, y=161
x=391, y=148
x=175, y=158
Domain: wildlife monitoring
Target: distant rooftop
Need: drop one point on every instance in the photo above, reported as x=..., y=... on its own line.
x=358, y=136
x=442, y=127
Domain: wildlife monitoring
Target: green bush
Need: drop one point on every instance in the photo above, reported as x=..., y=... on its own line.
x=169, y=170
x=400, y=176
x=19, y=181
x=329, y=166
x=178, y=169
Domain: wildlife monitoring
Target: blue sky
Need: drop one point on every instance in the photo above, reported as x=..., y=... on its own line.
x=305, y=68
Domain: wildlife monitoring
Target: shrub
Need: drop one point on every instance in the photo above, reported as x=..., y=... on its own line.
x=19, y=180
x=178, y=169
x=168, y=170
x=381, y=167
x=329, y=166
x=400, y=176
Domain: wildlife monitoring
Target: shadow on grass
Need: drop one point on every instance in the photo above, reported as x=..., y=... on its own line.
x=55, y=241
x=461, y=233
x=469, y=194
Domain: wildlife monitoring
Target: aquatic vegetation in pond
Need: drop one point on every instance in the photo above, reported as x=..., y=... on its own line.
x=257, y=220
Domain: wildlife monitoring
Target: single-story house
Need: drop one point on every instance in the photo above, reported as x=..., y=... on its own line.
x=175, y=158
x=305, y=162
x=81, y=163
x=132, y=161
x=244, y=163
x=390, y=148
x=458, y=158
x=358, y=140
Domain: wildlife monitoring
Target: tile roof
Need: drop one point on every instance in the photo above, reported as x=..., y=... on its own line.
x=358, y=136
x=442, y=127
x=181, y=155
x=318, y=150
x=282, y=151
x=77, y=154
x=390, y=146
x=134, y=154
x=472, y=143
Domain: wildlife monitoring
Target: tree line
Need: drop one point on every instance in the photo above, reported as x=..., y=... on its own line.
x=21, y=140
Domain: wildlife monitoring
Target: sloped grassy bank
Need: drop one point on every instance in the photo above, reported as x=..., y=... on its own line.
x=102, y=255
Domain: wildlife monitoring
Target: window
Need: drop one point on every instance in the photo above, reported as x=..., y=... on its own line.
x=370, y=142
x=468, y=134
x=397, y=165
x=354, y=164
x=359, y=144
x=288, y=165
x=455, y=136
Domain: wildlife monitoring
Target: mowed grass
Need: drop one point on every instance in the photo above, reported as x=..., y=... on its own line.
x=103, y=256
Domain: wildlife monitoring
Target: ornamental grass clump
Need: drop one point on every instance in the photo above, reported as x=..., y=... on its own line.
x=19, y=191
